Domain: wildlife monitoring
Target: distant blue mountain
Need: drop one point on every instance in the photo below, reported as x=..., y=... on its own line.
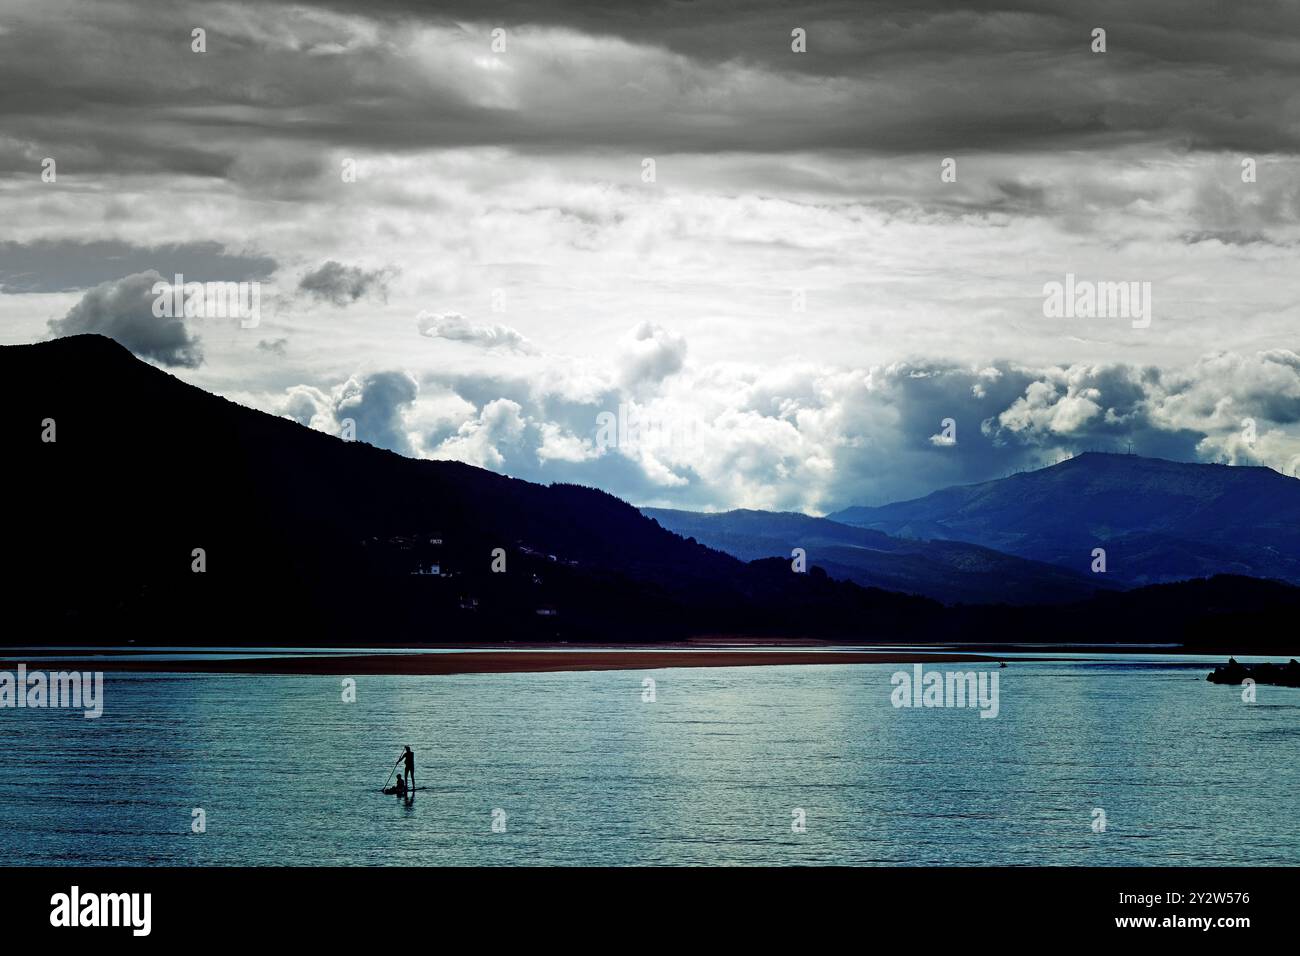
x=949, y=571
x=1158, y=521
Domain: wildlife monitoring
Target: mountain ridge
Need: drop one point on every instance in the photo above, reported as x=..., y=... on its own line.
x=307, y=539
x=948, y=571
x=1158, y=520
x=322, y=535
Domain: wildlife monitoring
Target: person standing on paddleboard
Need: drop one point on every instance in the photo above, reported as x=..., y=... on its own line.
x=409, y=756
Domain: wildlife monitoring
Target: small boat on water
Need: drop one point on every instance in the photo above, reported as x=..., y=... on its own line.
x=1234, y=672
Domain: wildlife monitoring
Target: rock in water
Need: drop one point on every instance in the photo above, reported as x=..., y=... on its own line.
x=1234, y=672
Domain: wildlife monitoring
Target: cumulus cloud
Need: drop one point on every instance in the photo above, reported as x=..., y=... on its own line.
x=479, y=441
x=1246, y=406
x=123, y=310
x=1044, y=408
x=310, y=406
x=457, y=328
x=342, y=285
x=649, y=355
x=1233, y=408
x=557, y=444
x=375, y=402
x=387, y=409
x=811, y=438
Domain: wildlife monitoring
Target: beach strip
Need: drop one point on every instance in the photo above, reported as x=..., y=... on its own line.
x=504, y=662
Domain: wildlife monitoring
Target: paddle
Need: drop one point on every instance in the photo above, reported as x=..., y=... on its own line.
x=390, y=773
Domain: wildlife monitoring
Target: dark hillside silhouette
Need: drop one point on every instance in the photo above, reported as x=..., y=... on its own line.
x=313, y=540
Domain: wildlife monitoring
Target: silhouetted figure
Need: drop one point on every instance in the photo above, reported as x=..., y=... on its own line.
x=409, y=756
x=398, y=788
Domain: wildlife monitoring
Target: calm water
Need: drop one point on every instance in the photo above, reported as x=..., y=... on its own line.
x=708, y=774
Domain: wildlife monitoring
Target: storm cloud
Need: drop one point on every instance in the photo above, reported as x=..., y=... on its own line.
x=790, y=248
x=123, y=310
x=887, y=77
x=343, y=285
x=57, y=266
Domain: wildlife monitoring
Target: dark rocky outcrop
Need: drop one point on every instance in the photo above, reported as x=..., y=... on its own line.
x=1234, y=672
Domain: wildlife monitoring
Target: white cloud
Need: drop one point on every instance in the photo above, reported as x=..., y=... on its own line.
x=560, y=445
x=457, y=328
x=649, y=355
x=480, y=440
x=813, y=438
